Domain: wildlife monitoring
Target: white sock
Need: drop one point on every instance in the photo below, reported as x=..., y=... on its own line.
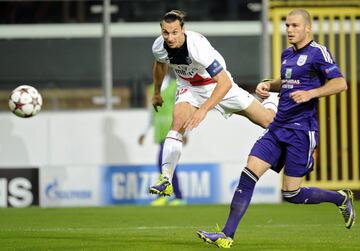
x=272, y=101
x=171, y=153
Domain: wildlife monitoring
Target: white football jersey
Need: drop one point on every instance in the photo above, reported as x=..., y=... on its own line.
x=193, y=61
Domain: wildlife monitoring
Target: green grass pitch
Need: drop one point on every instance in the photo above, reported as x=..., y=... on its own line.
x=264, y=227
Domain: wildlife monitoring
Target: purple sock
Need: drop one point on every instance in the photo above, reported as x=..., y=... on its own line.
x=313, y=195
x=176, y=186
x=240, y=201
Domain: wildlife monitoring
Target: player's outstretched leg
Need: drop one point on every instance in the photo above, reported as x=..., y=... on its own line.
x=314, y=195
x=162, y=187
x=347, y=208
x=170, y=157
x=217, y=238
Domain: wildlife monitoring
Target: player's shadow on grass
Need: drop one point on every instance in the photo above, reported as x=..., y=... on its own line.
x=12, y=147
x=115, y=151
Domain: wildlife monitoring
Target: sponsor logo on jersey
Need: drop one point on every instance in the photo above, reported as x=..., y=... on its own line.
x=184, y=71
x=288, y=73
x=289, y=83
x=301, y=60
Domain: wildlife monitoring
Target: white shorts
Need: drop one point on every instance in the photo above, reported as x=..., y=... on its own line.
x=237, y=99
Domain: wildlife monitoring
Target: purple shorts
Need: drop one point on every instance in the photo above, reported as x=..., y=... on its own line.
x=293, y=148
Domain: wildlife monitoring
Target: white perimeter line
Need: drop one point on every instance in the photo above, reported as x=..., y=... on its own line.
x=145, y=228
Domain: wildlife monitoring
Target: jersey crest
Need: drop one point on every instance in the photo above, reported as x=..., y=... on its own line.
x=301, y=60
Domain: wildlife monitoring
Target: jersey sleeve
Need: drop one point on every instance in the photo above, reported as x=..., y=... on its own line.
x=159, y=51
x=325, y=64
x=203, y=53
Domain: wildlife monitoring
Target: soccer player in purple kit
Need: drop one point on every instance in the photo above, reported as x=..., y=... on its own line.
x=308, y=72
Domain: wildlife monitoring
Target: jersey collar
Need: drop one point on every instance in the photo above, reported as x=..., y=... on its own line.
x=302, y=48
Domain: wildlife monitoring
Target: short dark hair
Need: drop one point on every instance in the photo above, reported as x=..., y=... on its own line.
x=174, y=15
x=304, y=13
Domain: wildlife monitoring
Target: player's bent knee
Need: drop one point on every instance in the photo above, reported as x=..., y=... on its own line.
x=271, y=115
x=269, y=118
x=264, y=121
x=292, y=196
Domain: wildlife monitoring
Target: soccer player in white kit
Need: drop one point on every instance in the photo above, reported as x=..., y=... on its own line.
x=203, y=83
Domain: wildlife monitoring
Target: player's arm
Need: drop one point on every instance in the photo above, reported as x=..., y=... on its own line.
x=326, y=67
x=267, y=85
x=159, y=72
x=222, y=87
x=149, y=120
x=331, y=87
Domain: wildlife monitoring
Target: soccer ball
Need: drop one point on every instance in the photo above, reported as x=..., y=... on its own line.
x=25, y=101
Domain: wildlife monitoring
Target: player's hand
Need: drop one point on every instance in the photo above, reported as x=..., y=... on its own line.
x=141, y=139
x=195, y=119
x=157, y=101
x=262, y=89
x=301, y=96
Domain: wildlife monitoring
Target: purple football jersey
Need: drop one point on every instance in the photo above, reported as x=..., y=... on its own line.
x=304, y=69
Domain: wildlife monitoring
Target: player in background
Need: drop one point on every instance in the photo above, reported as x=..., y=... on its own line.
x=161, y=121
x=203, y=83
x=308, y=72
